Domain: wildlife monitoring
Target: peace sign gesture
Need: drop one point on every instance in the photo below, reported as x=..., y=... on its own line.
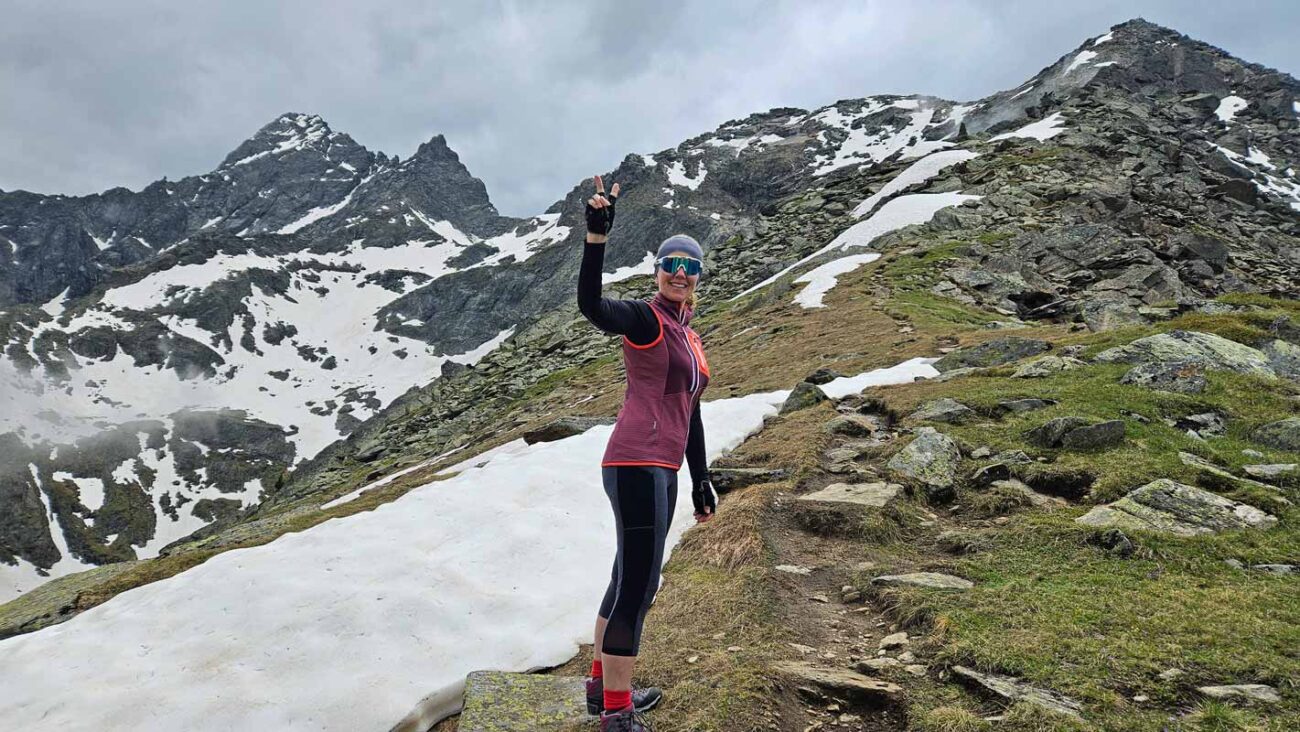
x=600, y=212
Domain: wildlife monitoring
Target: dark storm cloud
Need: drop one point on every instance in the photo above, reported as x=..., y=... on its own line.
x=533, y=96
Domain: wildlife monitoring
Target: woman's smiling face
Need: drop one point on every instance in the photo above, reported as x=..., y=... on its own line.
x=677, y=286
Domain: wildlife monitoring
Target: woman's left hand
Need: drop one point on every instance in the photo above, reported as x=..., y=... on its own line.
x=705, y=500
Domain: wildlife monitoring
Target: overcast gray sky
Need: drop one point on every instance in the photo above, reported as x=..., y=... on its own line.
x=534, y=96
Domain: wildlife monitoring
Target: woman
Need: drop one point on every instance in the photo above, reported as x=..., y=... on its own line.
x=659, y=421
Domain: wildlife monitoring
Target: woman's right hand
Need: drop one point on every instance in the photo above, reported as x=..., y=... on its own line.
x=600, y=212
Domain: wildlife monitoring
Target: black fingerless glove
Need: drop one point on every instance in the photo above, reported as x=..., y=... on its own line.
x=601, y=220
x=703, y=496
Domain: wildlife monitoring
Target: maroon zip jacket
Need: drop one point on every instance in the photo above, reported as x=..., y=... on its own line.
x=666, y=373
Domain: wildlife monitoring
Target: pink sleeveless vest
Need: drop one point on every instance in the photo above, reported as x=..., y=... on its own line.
x=664, y=381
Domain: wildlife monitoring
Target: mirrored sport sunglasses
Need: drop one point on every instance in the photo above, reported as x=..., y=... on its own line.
x=670, y=265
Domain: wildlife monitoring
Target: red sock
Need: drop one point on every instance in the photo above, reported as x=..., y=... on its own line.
x=597, y=671
x=616, y=700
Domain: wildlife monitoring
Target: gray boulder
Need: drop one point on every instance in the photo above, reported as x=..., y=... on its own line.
x=930, y=460
x=1101, y=315
x=946, y=410
x=1046, y=366
x=1017, y=406
x=1166, y=506
x=1050, y=433
x=1283, y=357
x=1095, y=436
x=1283, y=434
x=1185, y=346
x=992, y=353
x=493, y=699
x=804, y=395
x=851, y=425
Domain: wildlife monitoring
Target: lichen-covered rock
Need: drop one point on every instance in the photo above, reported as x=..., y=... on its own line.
x=1046, y=366
x=1283, y=434
x=1166, y=506
x=931, y=460
x=1181, y=377
x=498, y=701
x=805, y=394
x=1185, y=346
x=946, y=410
x=992, y=353
x=1283, y=357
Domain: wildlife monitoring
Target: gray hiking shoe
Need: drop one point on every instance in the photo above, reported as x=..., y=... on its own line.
x=643, y=700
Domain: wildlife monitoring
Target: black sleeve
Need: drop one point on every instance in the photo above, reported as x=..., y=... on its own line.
x=695, y=457
x=632, y=318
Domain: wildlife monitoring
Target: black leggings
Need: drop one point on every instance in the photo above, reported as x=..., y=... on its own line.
x=643, y=498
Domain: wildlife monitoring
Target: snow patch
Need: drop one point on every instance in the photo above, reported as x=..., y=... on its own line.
x=1228, y=108
x=1044, y=129
x=918, y=172
x=916, y=208
x=677, y=175
x=823, y=278
x=1102, y=39
x=1083, y=58
x=645, y=266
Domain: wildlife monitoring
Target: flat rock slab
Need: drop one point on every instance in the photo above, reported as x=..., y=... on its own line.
x=1014, y=690
x=1170, y=507
x=1283, y=434
x=1271, y=472
x=875, y=495
x=1256, y=692
x=931, y=580
x=499, y=701
x=842, y=681
x=946, y=410
x=1200, y=463
x=1185, y=346
x=992, y=353
x=1046, y=366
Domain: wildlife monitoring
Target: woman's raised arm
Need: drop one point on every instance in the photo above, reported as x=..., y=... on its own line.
x=632, y=318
